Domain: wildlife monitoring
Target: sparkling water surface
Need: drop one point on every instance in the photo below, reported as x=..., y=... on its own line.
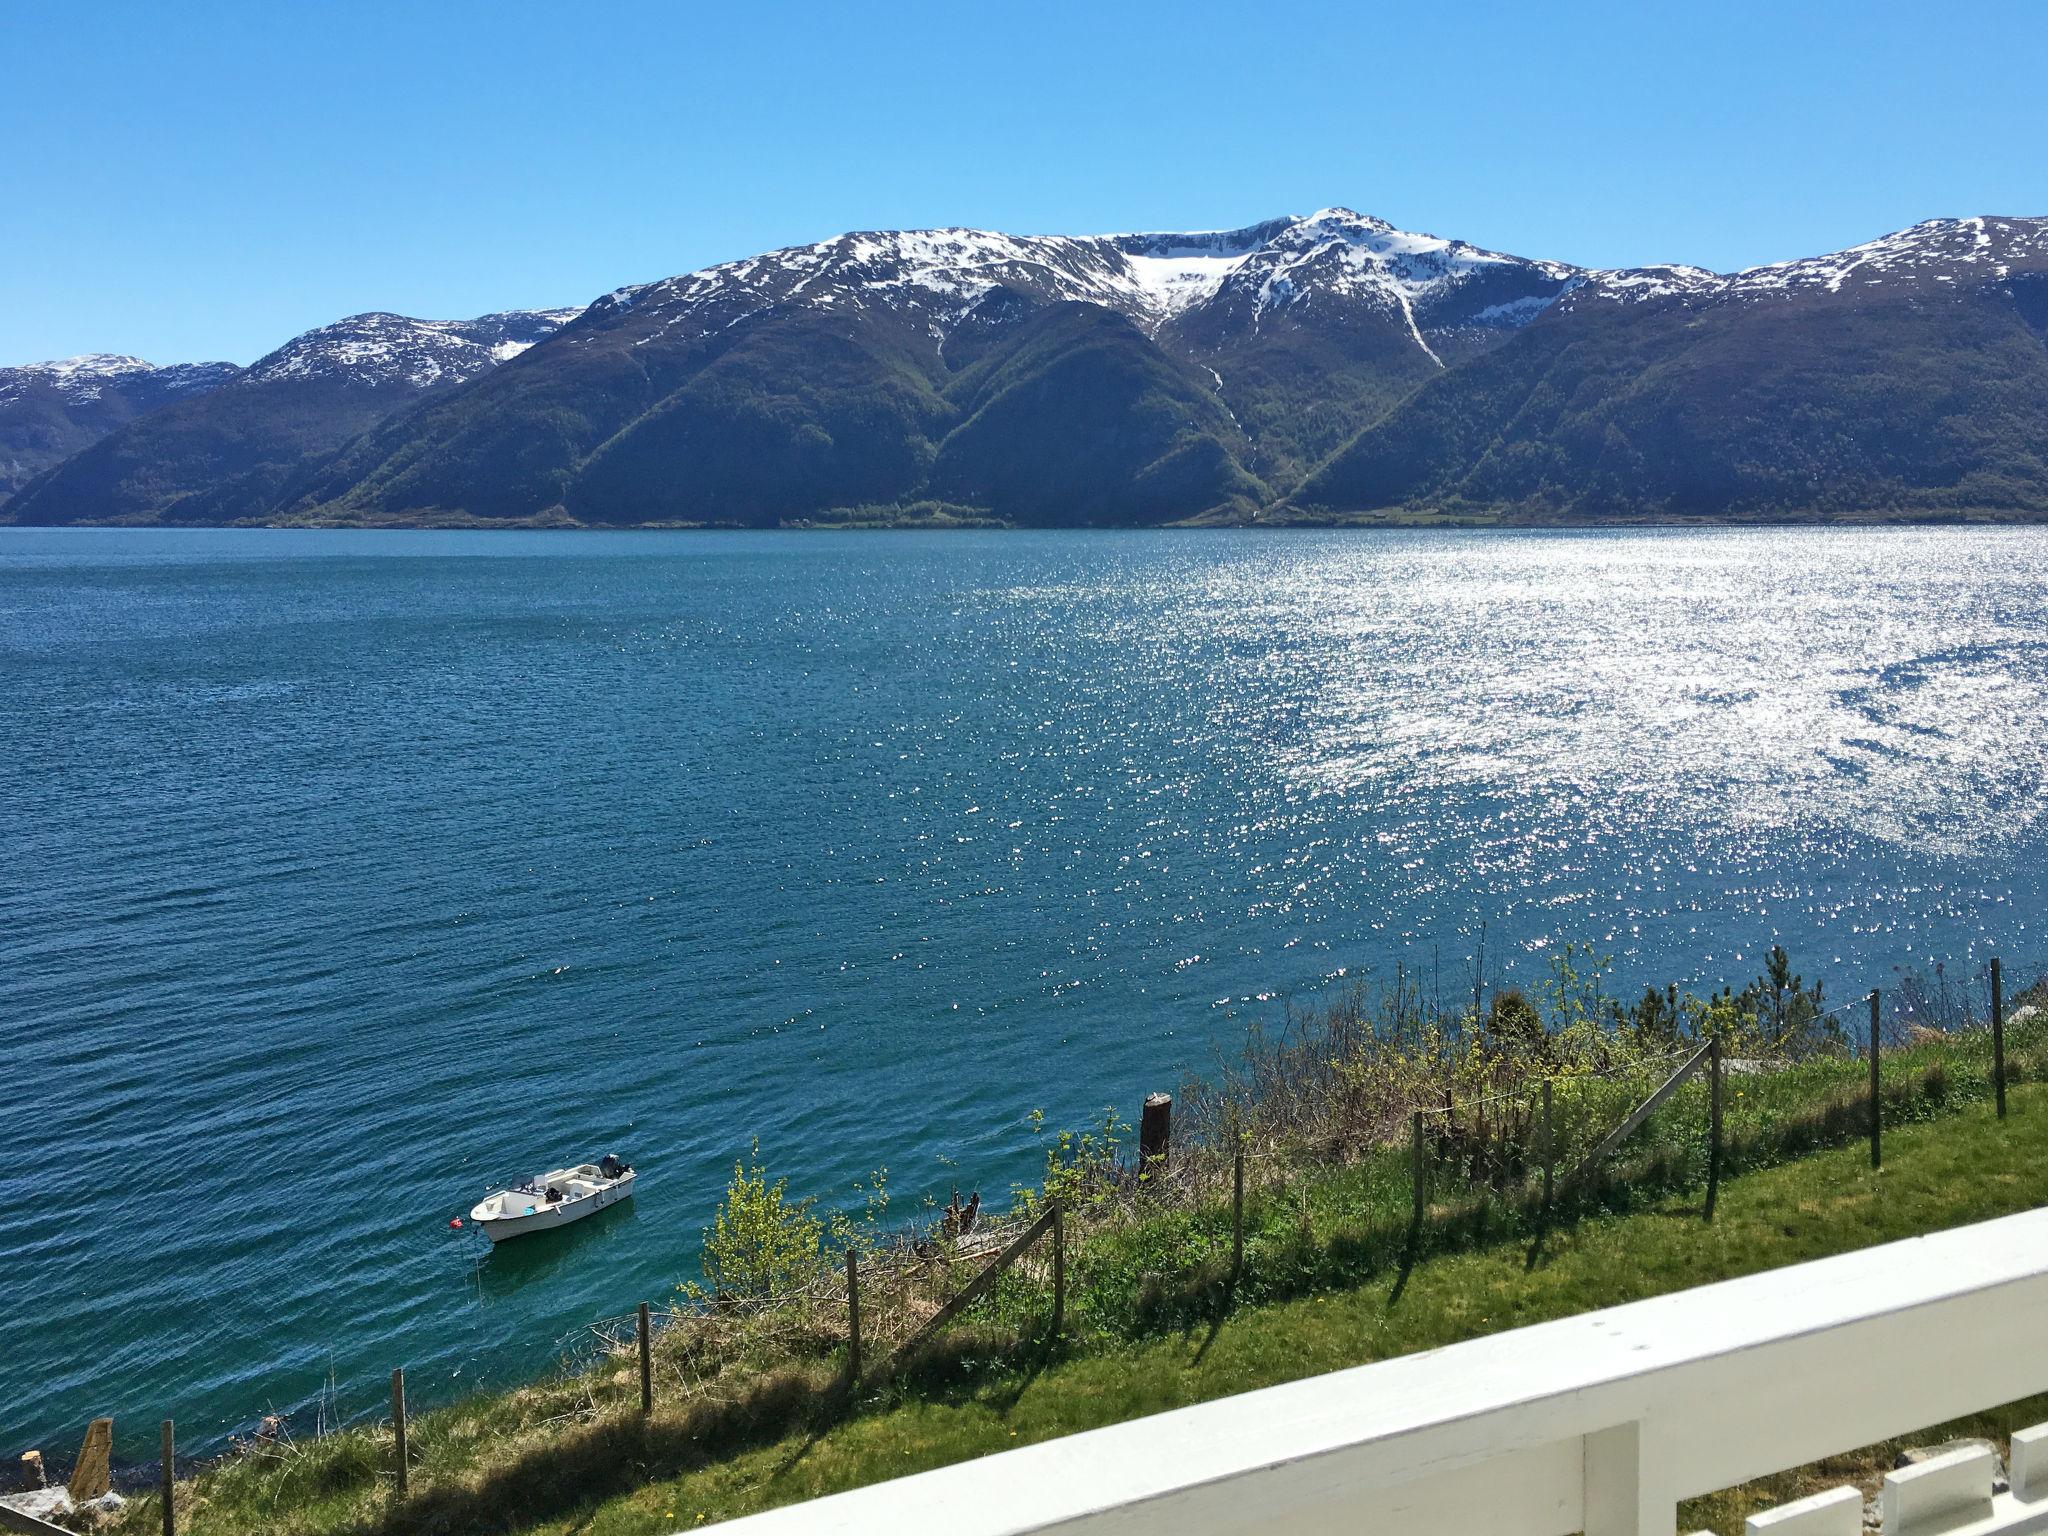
x=343, y=875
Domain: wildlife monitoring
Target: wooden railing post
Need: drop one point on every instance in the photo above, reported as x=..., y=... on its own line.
x=1713, y=1128
x=1876, y=1104
x=1998, y=1035
x=398, y=1424
x=167, y=1478
x=1549, y=1147
x=646, y=1360
x=852, y=1316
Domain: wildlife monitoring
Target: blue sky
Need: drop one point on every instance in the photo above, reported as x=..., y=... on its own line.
x=206, y=179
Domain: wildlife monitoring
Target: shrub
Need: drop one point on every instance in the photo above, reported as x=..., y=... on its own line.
x=759, y=1242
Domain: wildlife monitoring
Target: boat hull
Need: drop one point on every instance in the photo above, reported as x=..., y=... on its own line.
x=542, y=1217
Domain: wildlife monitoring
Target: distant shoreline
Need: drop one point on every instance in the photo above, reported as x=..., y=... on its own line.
x=965, y=520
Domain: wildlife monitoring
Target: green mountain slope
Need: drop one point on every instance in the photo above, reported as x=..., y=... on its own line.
x=1925, y=392
x=1081, y=419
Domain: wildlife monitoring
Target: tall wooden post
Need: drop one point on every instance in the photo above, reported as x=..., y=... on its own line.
x=1549, y=1148
x=398, y=1423
x=1998, y=1035
x=1419, y=1173
x=1237, y=1215
x=1876, y=1106
x=1155, y=1133
x=167, y=1478
x=852, y=1316
x=1713, y=1125
x=646, y=1361
x=1059, y=1271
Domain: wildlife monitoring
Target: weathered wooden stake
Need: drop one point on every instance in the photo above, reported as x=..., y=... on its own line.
x=1876, y=1108
x=852, y=1316
x=1059, y=1272
x=93, y=1475
x=1415, y=1157
x=1155, y=1133
x=33, y=1478
x=1998, y=1035
x=1237, y=1216
x=398, y=1423
x=646, y=1361
x=167, y=1478
x=1713, y=1128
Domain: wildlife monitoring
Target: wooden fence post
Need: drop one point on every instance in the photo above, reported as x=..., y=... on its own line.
x=1876, y=1106
x=1237, y=1215
x=1155, y=1133
x=1415, y=1157
x=167, y=1478
x=398, y=1423
x=1713, y=1128
x=646, y=1361
x=852, y=1316
x=1549, y=1148
x=1059, y=1272
x=1998, y=1035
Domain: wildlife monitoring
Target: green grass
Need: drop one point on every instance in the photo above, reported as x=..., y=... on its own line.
x=574, y=1456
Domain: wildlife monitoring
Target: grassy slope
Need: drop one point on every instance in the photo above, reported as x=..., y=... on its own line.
x=614, y=1477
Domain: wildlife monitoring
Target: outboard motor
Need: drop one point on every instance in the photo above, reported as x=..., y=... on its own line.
x=611, y=1167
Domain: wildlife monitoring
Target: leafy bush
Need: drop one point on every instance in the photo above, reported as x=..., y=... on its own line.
x=759, y=1241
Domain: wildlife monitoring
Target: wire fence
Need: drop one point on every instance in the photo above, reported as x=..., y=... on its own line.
x=1239, y=1206
x=1349, y=1146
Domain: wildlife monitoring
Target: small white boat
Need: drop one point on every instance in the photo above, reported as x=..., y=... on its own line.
x=553, y=1199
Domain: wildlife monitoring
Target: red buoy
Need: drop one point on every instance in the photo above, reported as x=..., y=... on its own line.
x=456, y=1223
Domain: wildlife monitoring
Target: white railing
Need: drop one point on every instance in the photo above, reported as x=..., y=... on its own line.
x=1598, y=1424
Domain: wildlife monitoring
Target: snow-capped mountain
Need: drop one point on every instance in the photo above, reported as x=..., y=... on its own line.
x=1338, y=306
x=385, y=351
x=1907, y=375
x=1337, y=259
x=1327, y=364
x=83, y=380
x=1930, y=257
x=228, y=450
x=49, y=411
x=937, y=277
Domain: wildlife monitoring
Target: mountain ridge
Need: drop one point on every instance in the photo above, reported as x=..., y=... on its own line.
x=227, y=450
x=1316, y=367
x=51, y=410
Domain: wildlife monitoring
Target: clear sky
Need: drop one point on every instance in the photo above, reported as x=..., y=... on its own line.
x=205, y=179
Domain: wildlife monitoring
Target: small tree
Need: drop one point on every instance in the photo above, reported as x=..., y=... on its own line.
x=759, y=1241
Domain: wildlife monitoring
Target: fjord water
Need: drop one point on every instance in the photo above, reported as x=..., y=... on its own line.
x=348, y=873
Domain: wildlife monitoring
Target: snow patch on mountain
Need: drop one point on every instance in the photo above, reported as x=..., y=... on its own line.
x=385, y=351
x=1934, y=251
x=84, y=379
x=77, y=378
x=1930, y=249
x=935, y=277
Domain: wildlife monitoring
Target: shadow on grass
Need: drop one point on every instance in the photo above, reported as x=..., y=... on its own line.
x=583, y=1467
